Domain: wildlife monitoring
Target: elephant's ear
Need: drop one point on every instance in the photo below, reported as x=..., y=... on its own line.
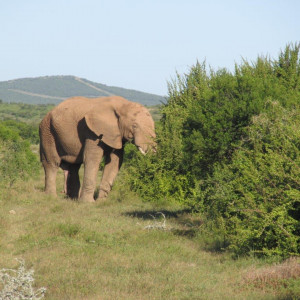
x=105, y=124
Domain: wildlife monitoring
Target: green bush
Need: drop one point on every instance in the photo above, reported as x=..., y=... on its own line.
x=256, y=198
x=210, y=159
x=16, y=158
x=26, y=131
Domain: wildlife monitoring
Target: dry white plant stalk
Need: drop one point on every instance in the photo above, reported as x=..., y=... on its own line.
x=17, y=284
x=161, y=225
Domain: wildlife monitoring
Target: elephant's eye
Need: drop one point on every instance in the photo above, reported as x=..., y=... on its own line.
x=134, y=126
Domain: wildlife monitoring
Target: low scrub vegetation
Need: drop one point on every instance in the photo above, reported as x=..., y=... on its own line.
x=17, y=161
x=27, y=113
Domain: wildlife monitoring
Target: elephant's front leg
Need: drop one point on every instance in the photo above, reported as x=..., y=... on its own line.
x=66, y=174
x=92, y=157
x=112, y=165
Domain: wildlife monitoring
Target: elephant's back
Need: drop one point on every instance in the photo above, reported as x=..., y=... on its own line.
x=66, y=122
x=73, y=108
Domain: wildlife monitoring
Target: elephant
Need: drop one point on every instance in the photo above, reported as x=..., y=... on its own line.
x=84, y=130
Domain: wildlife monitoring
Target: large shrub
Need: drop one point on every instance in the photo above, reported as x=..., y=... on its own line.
x=206, y=139
x=256, y=198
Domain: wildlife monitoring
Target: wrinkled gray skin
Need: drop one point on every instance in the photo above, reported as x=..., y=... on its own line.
x=82, y=130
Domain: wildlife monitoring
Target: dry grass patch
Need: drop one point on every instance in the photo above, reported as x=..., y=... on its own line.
x=281, y=279
x=274, y=275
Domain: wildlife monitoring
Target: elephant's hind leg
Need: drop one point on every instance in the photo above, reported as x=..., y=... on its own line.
x=50, y=178
x=65, y=167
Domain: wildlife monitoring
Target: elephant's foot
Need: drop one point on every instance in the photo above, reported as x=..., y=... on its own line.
x=50, y=192
x=102, y=195
x=87, y=199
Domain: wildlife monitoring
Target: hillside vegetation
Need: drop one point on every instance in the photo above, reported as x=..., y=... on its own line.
x=54, y=89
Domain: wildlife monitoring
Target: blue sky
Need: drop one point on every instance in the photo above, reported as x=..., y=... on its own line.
x=139, y=44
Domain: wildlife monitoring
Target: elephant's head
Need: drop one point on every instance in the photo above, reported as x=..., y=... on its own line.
x=118, y=119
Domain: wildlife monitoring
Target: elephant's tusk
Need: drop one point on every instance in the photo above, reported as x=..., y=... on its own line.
x=142, y=151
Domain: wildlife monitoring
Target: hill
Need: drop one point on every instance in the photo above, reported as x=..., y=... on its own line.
x=54, y=89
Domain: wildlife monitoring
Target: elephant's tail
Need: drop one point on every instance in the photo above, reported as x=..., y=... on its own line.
x=46, y=138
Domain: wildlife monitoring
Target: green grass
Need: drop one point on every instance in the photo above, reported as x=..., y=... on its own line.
x=105, y=251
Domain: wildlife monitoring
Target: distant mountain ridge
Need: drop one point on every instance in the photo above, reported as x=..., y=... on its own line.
x=54, y=89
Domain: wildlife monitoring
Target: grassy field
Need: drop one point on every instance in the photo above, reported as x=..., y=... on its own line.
x=127, y=249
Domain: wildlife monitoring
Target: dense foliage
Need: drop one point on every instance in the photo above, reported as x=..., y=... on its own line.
x=229, y=147
x=26, y=113
x=23, y=119
x=26, y=131
x=255, y=198
x=17, y=161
